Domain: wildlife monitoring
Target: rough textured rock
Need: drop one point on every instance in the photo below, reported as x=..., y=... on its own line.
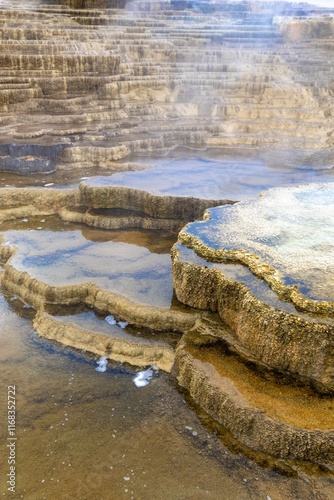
x=284, y=236
x=87, y=84
x=37, y=292
x=109, y=78
x=296, y=30
x=29, y=158
x=264, y=334
x=135, y=208
x=19, y=203
x=120, y=347
x=271, y=331
x=122, y=222
x=260, y=418
x=100, y=192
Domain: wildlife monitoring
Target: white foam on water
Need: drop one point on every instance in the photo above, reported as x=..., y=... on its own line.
x=110, y=319
x=143, y=378
x=102, y=362
x=122, y=324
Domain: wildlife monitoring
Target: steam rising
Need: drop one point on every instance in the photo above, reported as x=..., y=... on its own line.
x=20, y=4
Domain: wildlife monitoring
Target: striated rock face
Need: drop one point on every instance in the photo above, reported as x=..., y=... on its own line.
x=109, y=78
x=264, y=266
x=260, y=413
x=30, y=158
x=102, y=192
x=296, y=30
x=111, y=276
x=83, y=333
x=282, y=347
x=261, y=331
x=17, y=203
x=87, y=4
x=285, y=238
x=96, y=85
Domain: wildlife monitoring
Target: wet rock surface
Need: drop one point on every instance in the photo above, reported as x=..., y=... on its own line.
x=255, y=409
x=285, y=236
x=67, y=275
x=246, y=233
x=85, y=332
x=108, y=79
x=83, y=443
x=262, y=331
x=102, y=87
x=269, y=333
x=30, y=158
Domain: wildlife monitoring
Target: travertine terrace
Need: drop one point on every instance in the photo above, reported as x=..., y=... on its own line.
x=90, y=85
x=89, y=88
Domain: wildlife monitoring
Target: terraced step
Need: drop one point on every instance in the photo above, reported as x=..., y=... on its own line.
x=99, y=335
x=262, y=412
x=209, y=254
x=88, y=84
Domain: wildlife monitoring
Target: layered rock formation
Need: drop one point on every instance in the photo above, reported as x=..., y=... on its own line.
x=112, y=342
x=265, y=415
x=97, y=82
x=288, y=246
x=94, y=84
x=110, y=276
x=280, y=346
x=284, y=237
x=126, y=274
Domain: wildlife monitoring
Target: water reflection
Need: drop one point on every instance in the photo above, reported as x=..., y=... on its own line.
x=258, y=287
x=84, y=434
x=222, y=173
x=69, y=258
x=212, y=173
x=290, y=230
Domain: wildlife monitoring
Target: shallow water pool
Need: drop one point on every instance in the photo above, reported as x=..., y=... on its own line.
x=82, y=434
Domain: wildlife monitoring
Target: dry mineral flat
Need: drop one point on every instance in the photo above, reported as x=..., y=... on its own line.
x=286, y=235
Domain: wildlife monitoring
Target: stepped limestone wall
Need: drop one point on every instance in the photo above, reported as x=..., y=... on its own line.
x=87, y=84
x=109, y=78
